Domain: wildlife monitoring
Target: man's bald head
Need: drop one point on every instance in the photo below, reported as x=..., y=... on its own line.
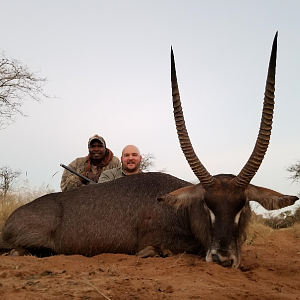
x=131, y=159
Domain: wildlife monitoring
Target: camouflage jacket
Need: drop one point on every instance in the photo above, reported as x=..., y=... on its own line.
x=71, y=181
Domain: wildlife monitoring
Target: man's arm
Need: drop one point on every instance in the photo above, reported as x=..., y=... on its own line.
x=78, y=174
x=106, y=176
x=110, y=171
x=69, y=180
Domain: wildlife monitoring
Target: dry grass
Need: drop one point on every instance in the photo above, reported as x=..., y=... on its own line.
x=260, y=227
x=257, y=229
x=6, y=209
x=18, y=198
x=296, y=230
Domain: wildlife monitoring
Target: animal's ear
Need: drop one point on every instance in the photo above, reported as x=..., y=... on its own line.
x=269, y=199
x=183, y=197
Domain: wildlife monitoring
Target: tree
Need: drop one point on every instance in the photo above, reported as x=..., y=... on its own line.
x=296, y=170
x=147, y=162
x=16, y=83
x=7, y=178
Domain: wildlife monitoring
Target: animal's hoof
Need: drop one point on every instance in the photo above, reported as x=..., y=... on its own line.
x=14, y=253
x=147, y=252
x=18, y=252
x=166, y=253
x=226, y=263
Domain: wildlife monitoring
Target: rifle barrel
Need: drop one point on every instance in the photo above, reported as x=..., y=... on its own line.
x=78, y=174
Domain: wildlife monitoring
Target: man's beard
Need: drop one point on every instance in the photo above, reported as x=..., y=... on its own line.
x=131, y=170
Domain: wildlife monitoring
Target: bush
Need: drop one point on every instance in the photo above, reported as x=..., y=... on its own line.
x=283, y=220
x=297, y=215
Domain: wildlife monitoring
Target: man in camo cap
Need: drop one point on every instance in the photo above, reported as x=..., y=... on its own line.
x=99, y=159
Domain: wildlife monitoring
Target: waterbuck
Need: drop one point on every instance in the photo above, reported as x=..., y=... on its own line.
x=153, y=213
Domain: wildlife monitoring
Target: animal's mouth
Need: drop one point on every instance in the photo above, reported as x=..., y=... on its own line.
x=225, y=261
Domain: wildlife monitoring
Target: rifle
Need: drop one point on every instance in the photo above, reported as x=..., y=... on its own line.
x=78, y=174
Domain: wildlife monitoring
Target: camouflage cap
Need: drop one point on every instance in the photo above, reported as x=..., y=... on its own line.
x=97, y=137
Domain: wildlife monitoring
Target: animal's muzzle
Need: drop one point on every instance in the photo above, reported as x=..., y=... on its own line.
x=225, y=263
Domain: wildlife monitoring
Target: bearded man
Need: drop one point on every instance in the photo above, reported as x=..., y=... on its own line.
x=130, y=160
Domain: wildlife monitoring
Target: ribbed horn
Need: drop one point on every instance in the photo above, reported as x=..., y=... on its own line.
x=199, y=170
x=263, y=139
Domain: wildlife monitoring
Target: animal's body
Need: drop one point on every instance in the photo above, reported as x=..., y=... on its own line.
x=95, y=219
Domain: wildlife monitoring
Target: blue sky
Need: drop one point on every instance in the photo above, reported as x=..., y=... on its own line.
x=108, y=64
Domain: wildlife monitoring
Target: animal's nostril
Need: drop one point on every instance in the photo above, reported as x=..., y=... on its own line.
x=215, y=258
x=227, y=263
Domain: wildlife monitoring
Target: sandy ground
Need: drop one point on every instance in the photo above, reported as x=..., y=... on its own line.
x=270, y=269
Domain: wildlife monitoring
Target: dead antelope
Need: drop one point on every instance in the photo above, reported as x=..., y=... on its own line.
x=124, y=216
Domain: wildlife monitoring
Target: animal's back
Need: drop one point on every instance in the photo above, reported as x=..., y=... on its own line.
x=119, y=216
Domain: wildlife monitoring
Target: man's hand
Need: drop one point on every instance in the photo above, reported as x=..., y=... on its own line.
x=93, y=176
x=89, y=175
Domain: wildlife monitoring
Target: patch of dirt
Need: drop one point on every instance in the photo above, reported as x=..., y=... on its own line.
x=270, y=269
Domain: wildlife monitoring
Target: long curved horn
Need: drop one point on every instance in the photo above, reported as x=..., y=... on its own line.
x=199, y=170
x=263, y=139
